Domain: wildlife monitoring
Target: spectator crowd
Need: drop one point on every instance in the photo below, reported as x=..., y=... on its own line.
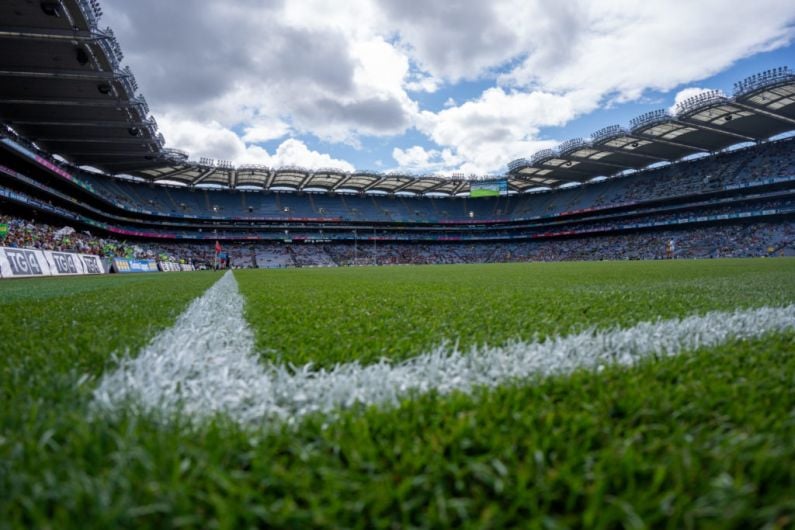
x=726, y=240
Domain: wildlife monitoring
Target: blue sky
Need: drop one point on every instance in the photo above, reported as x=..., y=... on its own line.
x=454, y=86
x=623, y=113
x=377, y=153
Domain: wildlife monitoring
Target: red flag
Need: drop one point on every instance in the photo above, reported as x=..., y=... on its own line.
x=217, y=247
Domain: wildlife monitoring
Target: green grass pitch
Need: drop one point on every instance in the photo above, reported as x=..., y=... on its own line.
x=702, y=440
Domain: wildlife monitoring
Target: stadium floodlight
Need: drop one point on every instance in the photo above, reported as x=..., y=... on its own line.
x=110, y=46
x=92, y=12
x=293, y=169
x=129, y=78
x=519, y=163
x=151, y=128
x=114, y=44
x=175, y=155
x=709, y=98
x=370, y=173
x=96, y=8
x=543, y=155
x=253, y=167
x=607, y=133
x=569, y=146
x=141, y=103
x=765, y=79
x=650, y=118
x=332, y=170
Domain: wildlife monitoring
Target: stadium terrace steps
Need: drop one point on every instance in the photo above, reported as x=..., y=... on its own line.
x=375, y=208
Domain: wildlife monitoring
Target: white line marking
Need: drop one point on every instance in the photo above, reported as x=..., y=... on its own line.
x=205, y=364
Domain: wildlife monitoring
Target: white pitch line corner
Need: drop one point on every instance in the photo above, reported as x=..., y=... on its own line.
x=206, y=364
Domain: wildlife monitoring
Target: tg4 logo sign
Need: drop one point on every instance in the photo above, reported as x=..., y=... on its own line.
x=25, y=262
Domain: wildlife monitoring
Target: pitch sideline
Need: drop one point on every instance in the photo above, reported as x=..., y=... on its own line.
x=206, y=365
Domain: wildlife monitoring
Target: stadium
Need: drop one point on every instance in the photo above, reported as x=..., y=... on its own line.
x=601, y=335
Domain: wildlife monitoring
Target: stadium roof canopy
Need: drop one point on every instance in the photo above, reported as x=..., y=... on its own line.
x=62, y=87
x=763, y=106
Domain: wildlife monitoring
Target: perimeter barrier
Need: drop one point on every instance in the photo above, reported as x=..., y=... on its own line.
x=26, y=263
x=125, y=265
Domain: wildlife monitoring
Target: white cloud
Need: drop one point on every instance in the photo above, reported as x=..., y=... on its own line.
x=423, y=84
x=419, y=82
x=381, y=67
x=265, y=130
x=454, y=40
x=353, y=71
x=623, y=47
x=257, y=64
x=295, y=153
x=202, y=139
x=416, y=157
x=378, y=104
x=578, y=55
x=212, y=140
x=484, y=134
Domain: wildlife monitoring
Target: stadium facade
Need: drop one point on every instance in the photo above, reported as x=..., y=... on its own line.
x=67, y=103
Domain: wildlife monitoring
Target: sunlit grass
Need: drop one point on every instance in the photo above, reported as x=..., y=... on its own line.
x=325, y=316
x=700, y=440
